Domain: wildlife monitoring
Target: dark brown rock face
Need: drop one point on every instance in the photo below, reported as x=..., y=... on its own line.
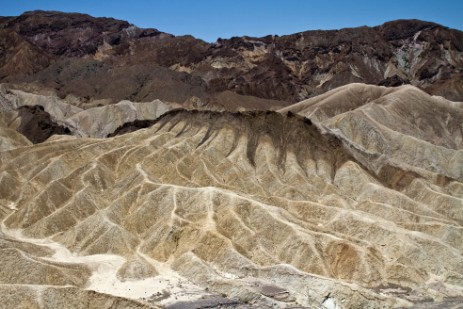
x=132, y=126
x=37, y=125
x=72, y=35
x=104, y=58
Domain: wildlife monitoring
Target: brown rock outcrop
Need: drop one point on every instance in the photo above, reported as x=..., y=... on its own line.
x=77, y=54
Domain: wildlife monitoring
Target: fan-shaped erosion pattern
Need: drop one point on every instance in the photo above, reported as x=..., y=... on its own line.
x=260, y=207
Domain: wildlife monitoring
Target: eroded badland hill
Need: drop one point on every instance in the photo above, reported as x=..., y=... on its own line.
x=317, y=170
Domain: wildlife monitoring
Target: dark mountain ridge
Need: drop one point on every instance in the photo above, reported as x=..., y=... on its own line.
x=77, y=54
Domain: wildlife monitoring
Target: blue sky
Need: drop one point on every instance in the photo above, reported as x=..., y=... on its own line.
x=210, y=19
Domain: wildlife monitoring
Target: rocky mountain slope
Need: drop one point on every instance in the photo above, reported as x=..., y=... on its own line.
x=358, y=206
x=322, y=169
x=75, y=54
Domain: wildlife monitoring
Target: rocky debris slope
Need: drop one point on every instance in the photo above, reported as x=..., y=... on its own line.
x=262, y=208
x=76, y=54
x=37, y=297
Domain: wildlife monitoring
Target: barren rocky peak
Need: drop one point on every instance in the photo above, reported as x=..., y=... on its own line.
x=75, y=54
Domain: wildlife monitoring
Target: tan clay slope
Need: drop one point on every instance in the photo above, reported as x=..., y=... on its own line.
x=338, y=100
x=9, y=137
x=98, y=121
x=260, y=206
x=403, y=127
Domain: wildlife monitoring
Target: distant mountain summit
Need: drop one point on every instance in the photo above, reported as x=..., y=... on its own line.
x=108, y=59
